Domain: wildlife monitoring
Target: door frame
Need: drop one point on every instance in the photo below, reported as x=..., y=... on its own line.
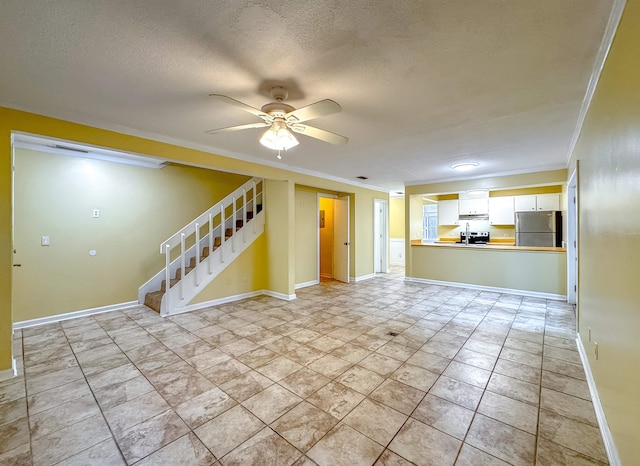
x=327, y=196
x=380, y=235
x=572, y=240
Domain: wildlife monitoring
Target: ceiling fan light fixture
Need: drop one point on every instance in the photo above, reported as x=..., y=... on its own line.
x=278, y=137
x=464, y=166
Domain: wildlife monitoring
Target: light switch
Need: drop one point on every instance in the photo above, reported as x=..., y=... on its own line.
x=44, y=241
x=96, y=213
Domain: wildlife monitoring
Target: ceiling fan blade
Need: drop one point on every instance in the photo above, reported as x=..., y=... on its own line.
x=262, y=124
x=321, y=134
x=241, y=106
x=321, y=108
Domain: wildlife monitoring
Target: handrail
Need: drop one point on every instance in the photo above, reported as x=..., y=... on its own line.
x=189, y=228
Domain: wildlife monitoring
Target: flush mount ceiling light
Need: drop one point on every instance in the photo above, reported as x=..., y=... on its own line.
x=464, y=166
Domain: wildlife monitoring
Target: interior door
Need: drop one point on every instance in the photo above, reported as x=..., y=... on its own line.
x=341, y=239
x=377, y=238
x=380, y=236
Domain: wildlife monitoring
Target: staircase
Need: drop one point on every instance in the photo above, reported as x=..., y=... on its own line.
x=216, y=238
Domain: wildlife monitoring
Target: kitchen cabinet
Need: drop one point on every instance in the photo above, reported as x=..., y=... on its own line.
x=501, y=210
x=537, y=202
x=473, y=206
x=548, y=201
x=448, y=212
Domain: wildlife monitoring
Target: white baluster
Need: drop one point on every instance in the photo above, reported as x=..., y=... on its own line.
x=222, y=234
x=197, y=253
x=167, y=275
x=210, y=241
x=233, y=225
x=182, y=259
x=244, y=215
x=255, y=206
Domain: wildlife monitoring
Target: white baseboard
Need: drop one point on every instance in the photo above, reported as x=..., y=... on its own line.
x=72, y=315
x=305, y=284
x=362, y=278
x=10, y=373
x=216, y=302
x=607, y=438
x=275, y=294
x=533, y=294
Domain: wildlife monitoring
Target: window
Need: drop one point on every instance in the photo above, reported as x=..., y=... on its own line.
x=430, y=222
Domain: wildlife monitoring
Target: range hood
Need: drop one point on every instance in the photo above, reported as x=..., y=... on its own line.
x=484, y=216
x=473, y=205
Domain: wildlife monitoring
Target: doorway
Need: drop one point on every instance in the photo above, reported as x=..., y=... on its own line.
x=572, y=240
x=333, y=237
x=380, y=236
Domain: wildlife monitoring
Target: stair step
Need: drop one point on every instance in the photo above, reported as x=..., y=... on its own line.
x=249, y=216
x=153, y=300
x=217, y=242
x=164, y=284
x=228, y=233
x=239, y=224
x=186, y=271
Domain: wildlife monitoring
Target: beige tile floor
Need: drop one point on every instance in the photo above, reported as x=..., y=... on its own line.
x=382, y=372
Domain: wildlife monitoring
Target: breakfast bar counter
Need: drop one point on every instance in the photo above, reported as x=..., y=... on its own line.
x=497, y=266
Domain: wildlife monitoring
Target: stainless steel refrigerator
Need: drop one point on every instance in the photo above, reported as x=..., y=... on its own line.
x=539, y=228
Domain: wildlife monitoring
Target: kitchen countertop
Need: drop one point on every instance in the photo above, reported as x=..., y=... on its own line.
x=491, y=245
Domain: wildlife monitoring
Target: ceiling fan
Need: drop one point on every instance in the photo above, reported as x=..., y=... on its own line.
x=282, y=118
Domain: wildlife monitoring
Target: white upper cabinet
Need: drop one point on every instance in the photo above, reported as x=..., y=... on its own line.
x=537, y=202
x=473, y=206
x=532, y=203
x=525, y=203
x=501, y=210
x=548, y=201
x=448, y=212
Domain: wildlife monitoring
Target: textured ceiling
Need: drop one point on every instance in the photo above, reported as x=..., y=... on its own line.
x=423, y=84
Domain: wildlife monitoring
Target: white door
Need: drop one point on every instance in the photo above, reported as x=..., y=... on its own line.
x=380, y=236
x=572, y=239
x=341, y=239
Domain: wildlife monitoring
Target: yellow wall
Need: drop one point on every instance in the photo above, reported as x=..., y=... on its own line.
x=139, y=208
x=608, y=152
x=541, y=272
x=556, y=177
x=245, y=274
x=306, y=251
x=396, y=217
x=326, y=238
x=280, y=233
x=280, y=269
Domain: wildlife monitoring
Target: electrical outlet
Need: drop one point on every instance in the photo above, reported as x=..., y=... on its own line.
x=44, y=241
x=95, y=213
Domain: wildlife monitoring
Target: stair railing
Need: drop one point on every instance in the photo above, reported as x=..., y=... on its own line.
x=192, y=229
